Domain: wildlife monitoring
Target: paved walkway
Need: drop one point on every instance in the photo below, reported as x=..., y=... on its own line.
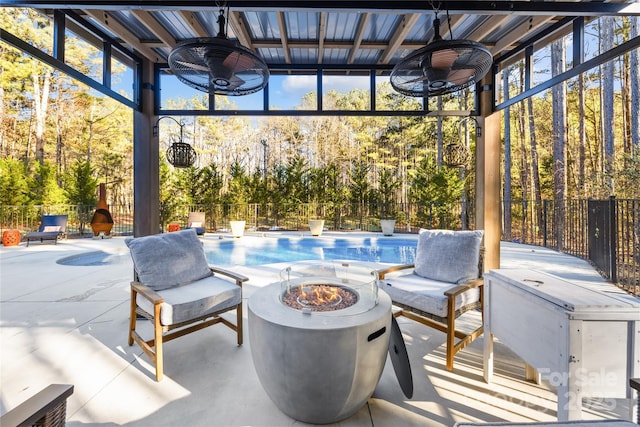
x=68, y=324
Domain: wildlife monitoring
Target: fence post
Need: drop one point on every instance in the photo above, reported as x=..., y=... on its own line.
x=613, y=227
x=544, y=223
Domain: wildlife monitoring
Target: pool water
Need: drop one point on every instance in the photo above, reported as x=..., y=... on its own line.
x=257, y=251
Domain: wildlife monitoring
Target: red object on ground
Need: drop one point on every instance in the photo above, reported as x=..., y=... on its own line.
x=174, y=226
x=11, y=237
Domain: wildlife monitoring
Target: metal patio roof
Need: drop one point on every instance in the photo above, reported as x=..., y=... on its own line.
x=349, y=33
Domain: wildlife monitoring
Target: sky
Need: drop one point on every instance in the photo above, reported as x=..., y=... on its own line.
x=285, y=91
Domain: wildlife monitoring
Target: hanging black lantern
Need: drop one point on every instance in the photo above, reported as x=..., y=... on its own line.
x=179, y=154
x=456, y=155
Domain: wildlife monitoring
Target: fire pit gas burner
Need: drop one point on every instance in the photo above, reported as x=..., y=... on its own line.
x=319, y=297
x=328, y=288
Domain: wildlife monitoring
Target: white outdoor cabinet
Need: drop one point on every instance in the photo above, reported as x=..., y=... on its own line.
x=585, y=342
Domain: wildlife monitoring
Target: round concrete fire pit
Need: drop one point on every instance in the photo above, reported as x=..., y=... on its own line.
x=319, y=366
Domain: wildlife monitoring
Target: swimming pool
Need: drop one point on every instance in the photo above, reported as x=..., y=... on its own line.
x=268, y=250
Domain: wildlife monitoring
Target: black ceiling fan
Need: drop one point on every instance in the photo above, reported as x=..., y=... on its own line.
x=441, y=67
x=218, y=65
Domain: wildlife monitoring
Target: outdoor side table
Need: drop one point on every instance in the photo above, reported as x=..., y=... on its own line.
x=11, y=237
x=583, y=341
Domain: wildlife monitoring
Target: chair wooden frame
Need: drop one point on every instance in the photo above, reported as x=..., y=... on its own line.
x=164, y=333
x=446, y=324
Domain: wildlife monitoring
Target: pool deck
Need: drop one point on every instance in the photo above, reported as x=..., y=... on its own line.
x=67, y=324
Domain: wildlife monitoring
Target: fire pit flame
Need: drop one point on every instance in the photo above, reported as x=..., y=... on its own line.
x=319, y=295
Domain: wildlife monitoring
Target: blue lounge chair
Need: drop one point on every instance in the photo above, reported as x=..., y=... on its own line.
x=52, y=227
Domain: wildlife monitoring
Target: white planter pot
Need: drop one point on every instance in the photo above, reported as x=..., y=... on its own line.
x=316, y=226
x=387, y=226
x=237, y=228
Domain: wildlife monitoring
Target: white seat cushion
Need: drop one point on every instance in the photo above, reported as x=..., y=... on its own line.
x=193, y=300
x=425, y=294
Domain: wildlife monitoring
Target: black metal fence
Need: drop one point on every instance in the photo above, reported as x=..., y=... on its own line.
x=338, y=217
x=27, y=218
x=605, y=232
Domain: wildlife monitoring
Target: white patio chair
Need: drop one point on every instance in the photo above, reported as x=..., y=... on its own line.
x=444, y=282
x=178, y=291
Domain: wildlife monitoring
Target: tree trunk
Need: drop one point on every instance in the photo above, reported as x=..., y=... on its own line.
x=607, y=106
x=524, y=170
x=507, y=159
x=524, y=163
x=59, y=139
x=4, y=152
x=439, y=134
x=625, y=77
x=559, y=141
x=40, y=103
x=535, y=172
x=581, y=138
x=634, y=84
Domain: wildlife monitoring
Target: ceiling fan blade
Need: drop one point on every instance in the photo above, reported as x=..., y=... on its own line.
x=416, y=80
x=460, y=76
x=444, y=58
x=193, y=66
x=237, y=61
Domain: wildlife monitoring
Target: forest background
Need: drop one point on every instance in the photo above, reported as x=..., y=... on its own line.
x=578, y=140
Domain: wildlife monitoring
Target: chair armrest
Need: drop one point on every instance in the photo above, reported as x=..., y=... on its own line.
x=465, y=286
x=147, y=292
x=385, y=271
x=239, y=278
x=49, y=402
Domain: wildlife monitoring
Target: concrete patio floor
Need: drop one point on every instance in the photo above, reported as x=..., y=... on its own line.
x=68, y=324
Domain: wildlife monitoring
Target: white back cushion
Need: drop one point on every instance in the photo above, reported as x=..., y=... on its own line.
x=448, y=256
x=167, y=260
